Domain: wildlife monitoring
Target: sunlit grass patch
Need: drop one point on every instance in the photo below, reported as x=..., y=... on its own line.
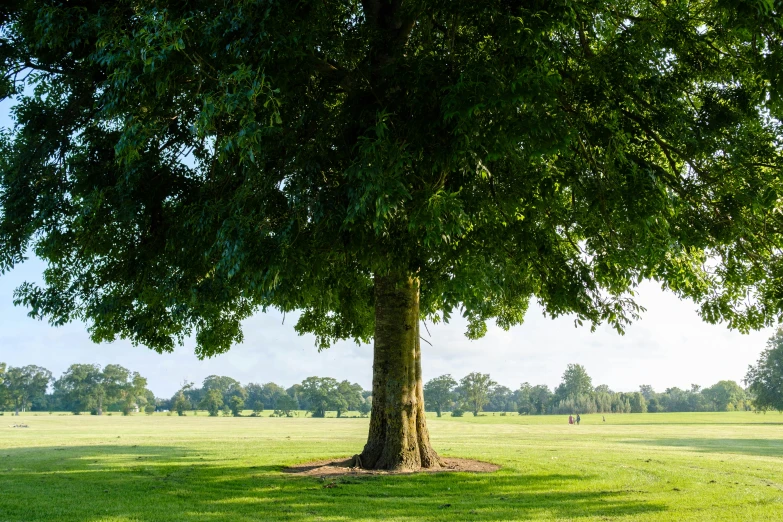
x=632, y=467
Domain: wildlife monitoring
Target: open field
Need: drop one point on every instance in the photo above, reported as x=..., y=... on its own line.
x=710, y=466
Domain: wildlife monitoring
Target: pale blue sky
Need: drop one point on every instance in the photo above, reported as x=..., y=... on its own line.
x=670, y=346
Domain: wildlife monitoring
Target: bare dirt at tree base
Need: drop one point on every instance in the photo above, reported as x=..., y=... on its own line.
x=332, y=467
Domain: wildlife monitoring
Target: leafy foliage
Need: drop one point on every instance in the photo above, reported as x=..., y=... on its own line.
x=181, y=166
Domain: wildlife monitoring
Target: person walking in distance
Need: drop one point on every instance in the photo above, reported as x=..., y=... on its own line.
x=578, y=419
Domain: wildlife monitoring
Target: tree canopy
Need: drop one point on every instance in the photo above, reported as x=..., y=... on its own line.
x=182, y=165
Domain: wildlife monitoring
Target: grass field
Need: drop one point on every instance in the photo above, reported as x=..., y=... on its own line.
x=705, y=466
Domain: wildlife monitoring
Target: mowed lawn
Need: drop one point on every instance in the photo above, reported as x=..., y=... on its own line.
x=704, y=466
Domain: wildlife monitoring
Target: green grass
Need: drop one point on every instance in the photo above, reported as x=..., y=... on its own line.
x=725, y=466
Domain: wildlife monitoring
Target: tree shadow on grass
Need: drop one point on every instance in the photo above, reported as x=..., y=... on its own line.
x=157, y=483
x=757, y=447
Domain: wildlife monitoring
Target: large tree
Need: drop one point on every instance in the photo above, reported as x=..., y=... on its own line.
x=182, y=165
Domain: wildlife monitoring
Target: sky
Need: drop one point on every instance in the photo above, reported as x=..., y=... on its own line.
x=669, y=346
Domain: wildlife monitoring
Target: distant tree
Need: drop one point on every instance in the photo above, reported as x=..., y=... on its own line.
x=696, y=399
x=439, y=393
x=320, y=393
x=134, y=393
x=725, y=396
x=541, y=396
x=475, y=389
x=81, y=387
x=88, y=387
x=149, y=409
x=270, y=394
x=348, y=397
x=258, y=407
x=163, y=404
x=180, y=402
x=501, y=398
x=24, y=384
x=603, y=388
x=621, y=403
x=637, y=402
x=253, y=400
x=112, y=385
x=524, y=400
x=533, y=399
x=236, y=404
x=675, y=399
x=285, y=405
x=654, y=405
x=647, y=391
x=221, y=383
x=575, y=382
x=366, y=406
x=212, y=402
x=765, y=379
x=237, y=398
x=295, y=392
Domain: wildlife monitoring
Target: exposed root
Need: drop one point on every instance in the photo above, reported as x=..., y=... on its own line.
x=339, y=467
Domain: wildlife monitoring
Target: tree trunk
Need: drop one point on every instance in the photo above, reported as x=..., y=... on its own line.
x=398, y=437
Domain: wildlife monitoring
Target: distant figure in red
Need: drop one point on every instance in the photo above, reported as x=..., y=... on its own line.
x=570, y=419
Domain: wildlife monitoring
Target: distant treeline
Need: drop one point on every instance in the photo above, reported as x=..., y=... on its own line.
x=477, y=392
x=82, y=388
x=315, y=394
x=113, y=388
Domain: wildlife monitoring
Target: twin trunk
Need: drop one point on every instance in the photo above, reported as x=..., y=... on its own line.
x=398, y=437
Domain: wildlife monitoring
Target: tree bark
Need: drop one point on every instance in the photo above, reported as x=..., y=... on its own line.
x=398, y=438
